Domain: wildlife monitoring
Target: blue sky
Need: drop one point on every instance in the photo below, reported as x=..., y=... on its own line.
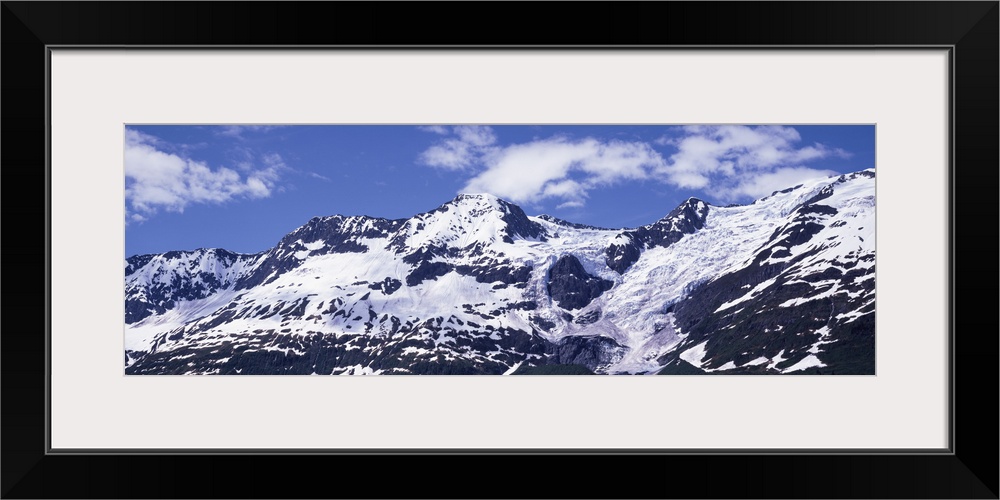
x=243, y=187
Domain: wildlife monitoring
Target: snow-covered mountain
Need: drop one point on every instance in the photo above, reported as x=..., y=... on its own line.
x=476, y=286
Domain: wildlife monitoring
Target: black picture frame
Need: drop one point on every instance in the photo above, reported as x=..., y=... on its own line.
x=969, y=29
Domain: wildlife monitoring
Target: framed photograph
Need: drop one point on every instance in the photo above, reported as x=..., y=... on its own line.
x=439, y=269
x=268, y=203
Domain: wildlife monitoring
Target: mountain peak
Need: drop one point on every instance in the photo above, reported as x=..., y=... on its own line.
x=477, y=196
x=696, y=204
x=691, y=212
x=480, y=200
x=475, y=286
x=565, y=223
x=469, y=218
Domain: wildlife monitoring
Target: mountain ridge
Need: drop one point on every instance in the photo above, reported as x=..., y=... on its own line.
x=477, y=286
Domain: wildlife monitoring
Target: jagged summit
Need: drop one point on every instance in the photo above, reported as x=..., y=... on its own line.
x=468, y=219
x=171, y=254
x=479, y=196
x=688, y=216
x=482, y=201
x=565, y=223
x=627, y=247
x=781, y=285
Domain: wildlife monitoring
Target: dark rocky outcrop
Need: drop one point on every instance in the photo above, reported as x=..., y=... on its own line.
x=387, y=286
x=780, y=319
x=592, y=352
x=571, y=287
x=427, y=271
x=339, y=234
x=496, y=272
x=566, y=223
x=687, y=218
x=176, y=276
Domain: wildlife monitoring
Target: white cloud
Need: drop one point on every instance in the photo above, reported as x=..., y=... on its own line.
x=567, y=188
x=237, y=131
x=462, y=151
x=449, y=155
x=475, y=135
x=434, y=129
x=560, y=168
x=725, y=162
x=134, y=137
x=759, y=185
x=735, y=162
x=156, y=180
x=569, y=204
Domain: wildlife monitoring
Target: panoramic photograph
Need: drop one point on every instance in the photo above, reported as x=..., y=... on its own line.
x=484, y=249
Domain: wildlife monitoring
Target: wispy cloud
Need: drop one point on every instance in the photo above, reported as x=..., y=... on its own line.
x=238, y=131
x=733, y=162
x=569, y=204
x=554, y=168
x=159, y=180
x=561, y=169
x=465, y=147
x=725, y=162
x=753, y=186
x=434, y=129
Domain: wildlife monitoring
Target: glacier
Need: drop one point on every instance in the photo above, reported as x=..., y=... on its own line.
x=783, y=285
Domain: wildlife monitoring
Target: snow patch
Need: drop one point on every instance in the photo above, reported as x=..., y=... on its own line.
x=695, y=355
x=806, y=362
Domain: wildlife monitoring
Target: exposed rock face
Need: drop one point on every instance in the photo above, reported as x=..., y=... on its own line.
x=320, y=236
x=781, y=285
x=593, y=352
x=628, y=246
x=571, y=286
x=155, y=284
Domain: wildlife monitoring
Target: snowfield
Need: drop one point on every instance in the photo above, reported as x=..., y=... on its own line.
x=470, y=287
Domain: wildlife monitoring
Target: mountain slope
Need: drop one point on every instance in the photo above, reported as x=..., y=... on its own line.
x=783, y=285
